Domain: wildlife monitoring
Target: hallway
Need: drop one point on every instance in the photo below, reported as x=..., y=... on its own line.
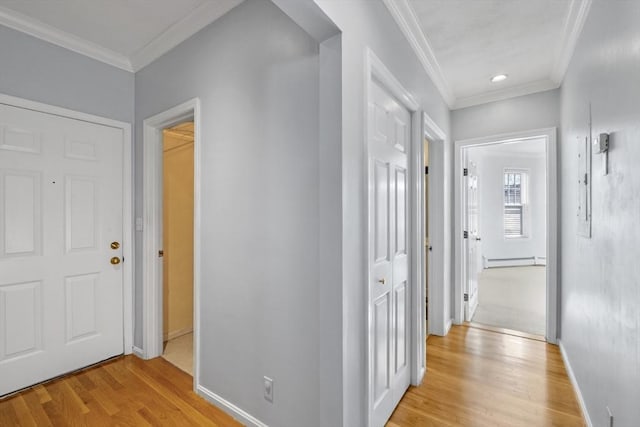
x=475, y=377
x=482, y=378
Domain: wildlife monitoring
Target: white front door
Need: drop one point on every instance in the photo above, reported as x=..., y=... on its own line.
x=60, y=210
x=474, y=242
x=389, y=135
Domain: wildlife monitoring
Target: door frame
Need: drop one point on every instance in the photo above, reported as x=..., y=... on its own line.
x=439, y=319
x=551, y=332
x=128, y=261
x=421, y=126
x=152, y=184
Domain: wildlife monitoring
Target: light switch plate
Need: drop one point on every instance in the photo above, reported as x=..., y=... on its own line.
x=268, y=389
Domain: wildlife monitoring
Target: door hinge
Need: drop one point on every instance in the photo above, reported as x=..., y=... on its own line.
x=465, y=172
x=466, y=297
x=426, y=170
x=465, y=234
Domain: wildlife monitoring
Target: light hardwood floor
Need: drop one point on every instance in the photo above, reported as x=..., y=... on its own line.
x=474, y=377
x=126, y=391
x=477, y=377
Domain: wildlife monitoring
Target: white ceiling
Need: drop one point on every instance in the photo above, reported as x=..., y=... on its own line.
x=126, y=33
x=463, y=43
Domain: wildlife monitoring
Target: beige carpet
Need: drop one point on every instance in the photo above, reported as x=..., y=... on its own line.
x=513, y=298
x=179, y=352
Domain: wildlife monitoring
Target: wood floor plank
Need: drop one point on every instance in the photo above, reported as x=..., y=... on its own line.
x=23, y=413
x=474, y=378
x=125, y=391
x=478, y=377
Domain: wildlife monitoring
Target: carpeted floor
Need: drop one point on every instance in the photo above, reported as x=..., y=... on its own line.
x=179, y=352
x=513, y=298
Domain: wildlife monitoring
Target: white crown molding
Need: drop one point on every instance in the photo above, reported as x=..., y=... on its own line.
x=576, y=17
x=405, y=17
x=502, y=94
x=38, y=29
x=196, y=20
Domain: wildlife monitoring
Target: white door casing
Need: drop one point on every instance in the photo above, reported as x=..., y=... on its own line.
x=474, y=241
x=549, y=134
x=389, y=291
x=61, y=206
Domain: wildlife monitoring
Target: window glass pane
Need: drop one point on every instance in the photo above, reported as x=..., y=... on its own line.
x=513, y=208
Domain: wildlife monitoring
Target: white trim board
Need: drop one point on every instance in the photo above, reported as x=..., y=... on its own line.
x=33, y=27
x=513, y=262
x=376, y=70
x=551, y=215
x=576, y=18
x=152, y=237
x=176, y=334
x=437, y=202
x=127, y=200
x=228, y=407
x=197, y=19
x=422, y=126
x=404, y=15
x=574, y=383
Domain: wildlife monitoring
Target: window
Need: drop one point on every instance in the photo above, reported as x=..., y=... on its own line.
x=515, y=192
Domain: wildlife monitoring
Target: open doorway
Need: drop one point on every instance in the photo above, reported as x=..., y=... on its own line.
x=183, y=119
x=427, y=245
x=506, y=227
x=507, y=230
x=177, y=252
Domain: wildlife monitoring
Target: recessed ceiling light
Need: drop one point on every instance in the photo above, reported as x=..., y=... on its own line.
x=498, y=78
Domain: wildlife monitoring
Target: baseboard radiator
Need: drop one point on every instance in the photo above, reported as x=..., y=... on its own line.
x=513, y=262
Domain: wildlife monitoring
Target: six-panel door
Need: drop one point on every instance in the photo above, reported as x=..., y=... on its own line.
x=389, y=133
x=60, y=209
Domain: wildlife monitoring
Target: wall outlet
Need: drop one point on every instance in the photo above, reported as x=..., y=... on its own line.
x=268, y=389
x=610, y=424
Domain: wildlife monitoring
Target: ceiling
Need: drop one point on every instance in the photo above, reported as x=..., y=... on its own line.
x=463, y=43
x=128, y=34
x=460, y=43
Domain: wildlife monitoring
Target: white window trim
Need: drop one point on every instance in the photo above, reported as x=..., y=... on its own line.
x=526, y=205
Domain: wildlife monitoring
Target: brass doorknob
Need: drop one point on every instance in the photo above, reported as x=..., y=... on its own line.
x=115, y=245
x=383, y=281
x=115, y=260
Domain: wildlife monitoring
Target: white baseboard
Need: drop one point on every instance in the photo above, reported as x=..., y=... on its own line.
x=138, y=352
x=176, y=334
x=447, y=327
x=513, y=262
x=228, y=407
x=574, y=382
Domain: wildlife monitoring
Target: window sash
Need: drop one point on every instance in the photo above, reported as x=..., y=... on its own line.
x=513, y=189
x=513, y=221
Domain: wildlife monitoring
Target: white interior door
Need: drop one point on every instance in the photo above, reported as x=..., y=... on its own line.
x=61, y=202
x=474, y=255
x=389, y=135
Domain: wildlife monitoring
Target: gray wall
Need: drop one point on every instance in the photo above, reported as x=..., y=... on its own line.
x=535, y=111
x=43, y=72
x=257, y=75
x=366, y=23
x=600, y=277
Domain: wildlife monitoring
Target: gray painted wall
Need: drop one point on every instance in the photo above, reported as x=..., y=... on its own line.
x=600, y=277
x=43, y=72
x=367, y=23
x=535, y=111
x=257, y=75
